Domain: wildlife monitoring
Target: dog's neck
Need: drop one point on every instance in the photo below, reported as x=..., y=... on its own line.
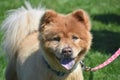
x=58, y=73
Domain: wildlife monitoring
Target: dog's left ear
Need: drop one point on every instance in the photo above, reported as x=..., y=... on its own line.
x=83, y=17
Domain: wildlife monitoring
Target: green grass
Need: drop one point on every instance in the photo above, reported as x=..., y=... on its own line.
x=2, y=67
x=105, y=18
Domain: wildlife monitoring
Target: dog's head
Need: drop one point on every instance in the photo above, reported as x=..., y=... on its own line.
x=65, y=39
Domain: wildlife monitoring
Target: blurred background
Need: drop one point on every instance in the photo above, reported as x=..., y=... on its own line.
x=105, y=19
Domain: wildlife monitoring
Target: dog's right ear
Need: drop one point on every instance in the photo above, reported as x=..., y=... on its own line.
x=47, y=18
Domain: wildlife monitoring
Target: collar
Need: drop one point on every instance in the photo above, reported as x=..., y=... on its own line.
x=58, y=73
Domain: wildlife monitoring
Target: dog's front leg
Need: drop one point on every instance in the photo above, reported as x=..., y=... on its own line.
x=11, y=70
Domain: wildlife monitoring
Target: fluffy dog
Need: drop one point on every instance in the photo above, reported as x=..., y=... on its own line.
x=45, y=45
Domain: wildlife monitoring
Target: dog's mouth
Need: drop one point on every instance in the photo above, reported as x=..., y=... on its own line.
x=67, y=63
x=67, y=59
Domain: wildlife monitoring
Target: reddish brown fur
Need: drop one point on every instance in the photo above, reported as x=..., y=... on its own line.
x=65, y=26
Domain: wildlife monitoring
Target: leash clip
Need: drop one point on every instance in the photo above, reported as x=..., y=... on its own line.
x=84, y=67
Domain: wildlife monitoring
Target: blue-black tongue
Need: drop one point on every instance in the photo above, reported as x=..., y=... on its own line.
x=67, y=63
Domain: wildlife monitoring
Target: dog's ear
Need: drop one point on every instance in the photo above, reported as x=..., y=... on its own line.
x=83, y=17
x=48, y=17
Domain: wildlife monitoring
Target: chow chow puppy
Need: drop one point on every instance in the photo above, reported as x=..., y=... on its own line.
x=46, y=45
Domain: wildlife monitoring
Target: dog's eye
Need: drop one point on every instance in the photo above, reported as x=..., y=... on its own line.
x=75, y=37
x=56, y=39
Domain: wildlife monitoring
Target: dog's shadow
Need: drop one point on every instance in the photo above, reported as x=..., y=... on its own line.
x=107, y=18
x=106, y=41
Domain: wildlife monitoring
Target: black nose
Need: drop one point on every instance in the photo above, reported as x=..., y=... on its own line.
x=67, y=52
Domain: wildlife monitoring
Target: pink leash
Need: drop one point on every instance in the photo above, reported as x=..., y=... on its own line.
x=111, y=59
